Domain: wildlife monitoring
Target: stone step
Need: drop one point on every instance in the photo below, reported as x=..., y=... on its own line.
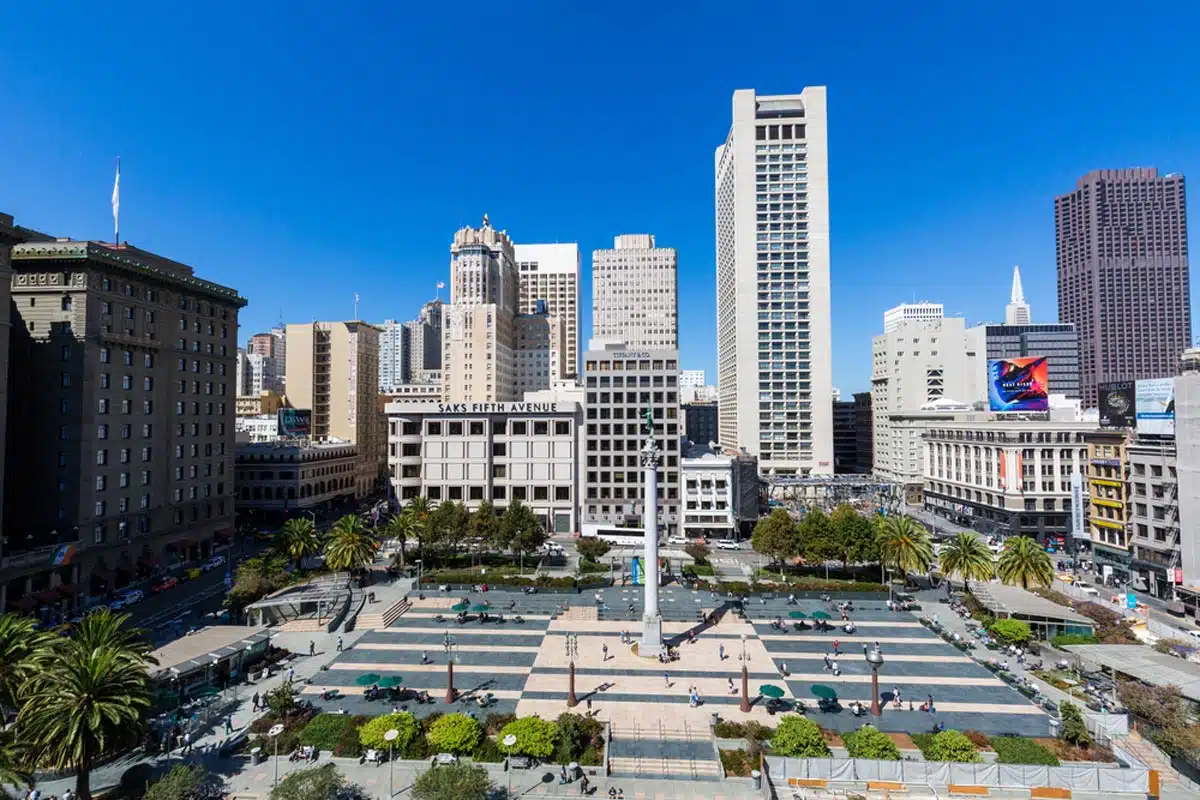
x=664, y=768
x=383, y=619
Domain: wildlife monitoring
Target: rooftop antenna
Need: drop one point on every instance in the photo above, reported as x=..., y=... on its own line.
x=355, y=317
x=116, y=205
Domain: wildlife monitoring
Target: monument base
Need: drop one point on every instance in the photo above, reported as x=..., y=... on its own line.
x=651, y=644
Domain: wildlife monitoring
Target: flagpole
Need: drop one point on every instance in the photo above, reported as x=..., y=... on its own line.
x=116, y=205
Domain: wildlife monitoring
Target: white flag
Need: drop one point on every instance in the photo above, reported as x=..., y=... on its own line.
x=116, y=201
x=441, y=284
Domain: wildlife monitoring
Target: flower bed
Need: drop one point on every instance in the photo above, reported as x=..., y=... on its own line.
x=737, y=763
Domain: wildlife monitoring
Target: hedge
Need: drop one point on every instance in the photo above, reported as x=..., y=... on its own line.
x=1068, y=639
x=337, y=733
x=1019, y=750
x=473, y=578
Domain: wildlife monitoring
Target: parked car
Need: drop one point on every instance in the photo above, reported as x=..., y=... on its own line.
x=169, y=582
x=677, y=540
x=727, y=544
x=134, y=596
x=522, y=762
x=213, y=563
x=117, y=605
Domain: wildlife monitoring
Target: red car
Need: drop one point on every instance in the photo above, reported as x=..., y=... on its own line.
x=165, y=584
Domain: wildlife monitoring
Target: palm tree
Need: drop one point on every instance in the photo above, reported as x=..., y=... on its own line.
x=86, y=697
x=352, y=546
x=298, y=539
x=967, y=556
x=904, y=545
x=11, y=759
x=1024, y=562
x=416, y=516
x=19, y=639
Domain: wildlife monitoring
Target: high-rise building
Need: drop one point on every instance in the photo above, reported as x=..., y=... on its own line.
x=123, y=419
x=479, y=336
x=271, y=345
x=541, y=352
x=622, y=386
x=1056, y=341
x=691, y=377
x=425, y=343
x=917, y=362
x=256, y=374
x=635, y=293
x=550, y=276
x=1187, y=449
x=923, y=311
x=864, y=425
x=845, y=436
x=774, y=372
x=263, y=344
x=9, y=235
x=1017, y=310
x=700, y=424
x=395, y=340
x=1123, y=278
x=333, y=369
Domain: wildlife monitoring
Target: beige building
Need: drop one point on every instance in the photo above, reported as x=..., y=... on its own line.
x=541, y=353
x=123, y=418
x=479, y=331
x=283, y=476
x=255, y=405
x=550, y=285
x=333, y=370
x=635, y=293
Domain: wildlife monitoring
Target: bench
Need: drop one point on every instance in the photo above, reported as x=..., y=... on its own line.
x=964, y=790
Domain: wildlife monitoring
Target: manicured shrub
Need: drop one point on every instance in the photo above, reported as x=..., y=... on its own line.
x=535, y=736
x=799, y=737
x=1068, y=639
x=1010, y=631
x=951, y=746
x=1019, y=750
x=371, y=734
x=454, y=733
x=1074, y=730
x=868, y=742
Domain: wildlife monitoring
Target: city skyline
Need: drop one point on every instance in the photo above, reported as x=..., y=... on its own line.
x=953, y=240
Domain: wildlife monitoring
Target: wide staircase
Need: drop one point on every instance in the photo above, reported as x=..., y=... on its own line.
x=379, y=616
x=656, y=751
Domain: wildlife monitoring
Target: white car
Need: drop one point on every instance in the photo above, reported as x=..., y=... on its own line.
x=135, y=596
x=116, y=605
x=677, y=540
x=727, y=544
x=213, y=563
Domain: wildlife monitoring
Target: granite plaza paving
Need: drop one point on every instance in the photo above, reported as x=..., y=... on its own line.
x=524, y=666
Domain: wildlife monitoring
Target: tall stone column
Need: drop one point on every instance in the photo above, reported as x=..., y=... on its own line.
x=652, y=643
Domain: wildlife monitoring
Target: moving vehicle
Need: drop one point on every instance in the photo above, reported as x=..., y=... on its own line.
x=213, y=563
x=134, y=596
x=677, y=540
x=169, y=582
x=117, y=605
x=727, y=544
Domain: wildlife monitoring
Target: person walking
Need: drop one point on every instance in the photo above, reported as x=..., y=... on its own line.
x=424, y=657
x=562, y=775
x=255, y=701
x=583, y=785
x=731, y=689
x=228, y=725
x=721, y=653
x=291, y=674
x=589, y=706
x=604, y=652
x=312, y=648
x=187, y=742
x=339, y=644
x=667, y=678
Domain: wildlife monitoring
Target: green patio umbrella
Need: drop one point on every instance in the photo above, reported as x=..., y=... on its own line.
x=480, y=608
x=390, y=682
x=366, y=679
x=821, y=615
x=797, y=615
x=824, y=692
x=460, y=607
x=770, y=690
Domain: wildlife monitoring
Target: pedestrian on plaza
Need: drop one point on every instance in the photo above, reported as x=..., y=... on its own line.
x=339, y=644
x=583, y=785
x=187, y=742
x=783, y=669
x=562, y=776
x=424, y=657
x=721, y=653
x=930, y=704
x=667, y=678
x=228, y=725
x=69, y=794
x=836, y=647
x=836, y=670
x=291, y=674
x=731, y=689
x=589, y=706
x=312, y=648
x=604, y=651
x=256, y=702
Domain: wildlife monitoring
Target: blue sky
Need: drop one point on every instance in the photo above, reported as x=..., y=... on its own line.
x=305, y=151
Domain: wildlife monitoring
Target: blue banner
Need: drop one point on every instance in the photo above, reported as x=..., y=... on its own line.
x=637, y=572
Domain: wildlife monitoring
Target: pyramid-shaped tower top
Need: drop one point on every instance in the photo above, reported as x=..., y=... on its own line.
x=1018, y=294
x=1017, y=310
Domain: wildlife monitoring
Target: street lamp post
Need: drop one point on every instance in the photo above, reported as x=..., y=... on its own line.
x=450, y=648
x=572, y=654
x=508, y=742
x=274, y=734
x=390, y=738
x=875, y=659
x=745, y=706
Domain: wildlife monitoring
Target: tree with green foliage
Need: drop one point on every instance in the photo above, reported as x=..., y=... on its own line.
x=1010, y=631
x=296, y=540
x=13, y=770
x=519, y=527
x=416, y=516
x=257, y=577
x=699, y=551
x=281, y=701
x=1024, y=563
x=186, y=782
x=483, y=526
x=852, y=536
x=967, y=556
x=454, y=733
x=592, y=548
x=453, y=782
x=904, y=545
x=352, y=545
x=19, y=639
x=799, y=737
x=576, y=733
x=450, y=523
x=952, y=746
x=535, y=736
x=319, y=783
x=817, y=538
x=372, y=733
x=776, y=536
x=869, y=742
x=1074, y=729
x=86, y=697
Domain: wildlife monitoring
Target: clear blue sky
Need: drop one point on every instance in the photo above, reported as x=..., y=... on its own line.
x=314, y=150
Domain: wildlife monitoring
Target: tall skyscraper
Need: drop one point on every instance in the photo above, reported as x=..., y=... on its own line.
x=635, y=297
x=774, y=372
x=333, y=369
x=394, y=343
x=1123, y=274
x=256, y=374
x=1017, y=310
x=550, y=274
x=425, y=343
x=479, y=336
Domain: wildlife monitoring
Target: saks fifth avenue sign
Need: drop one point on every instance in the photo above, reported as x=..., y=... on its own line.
x=497, y=408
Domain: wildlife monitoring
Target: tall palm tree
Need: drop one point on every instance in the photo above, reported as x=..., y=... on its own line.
x=968, y=557
x=12, y=773
x=86, y=697
x=1024, y=562
x=352, y=545
x=904, y=545
x=297, y=539
x=417, y=514
x=19, y=639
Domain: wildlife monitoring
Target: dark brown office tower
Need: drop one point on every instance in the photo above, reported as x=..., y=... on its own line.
x=1123, y=274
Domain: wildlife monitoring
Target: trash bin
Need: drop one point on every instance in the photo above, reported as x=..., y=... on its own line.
x=757, y=777
x=256, y=756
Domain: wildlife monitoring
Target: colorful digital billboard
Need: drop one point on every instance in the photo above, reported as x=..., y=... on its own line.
x=295, y=422
x=1018, y=384
x=1155, y=407
x=1118, y=404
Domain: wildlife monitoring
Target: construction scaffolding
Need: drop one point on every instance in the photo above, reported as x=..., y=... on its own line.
x=865, y=492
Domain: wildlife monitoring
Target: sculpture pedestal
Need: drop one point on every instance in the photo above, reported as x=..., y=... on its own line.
x=651, y=644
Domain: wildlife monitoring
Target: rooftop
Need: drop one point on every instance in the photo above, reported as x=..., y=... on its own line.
x=206, y=646
x=1145, y=664
x=1000, y=598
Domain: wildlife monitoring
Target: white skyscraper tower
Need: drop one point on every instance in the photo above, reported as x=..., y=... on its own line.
x=635, y=295
x=394, y=339
x=550, y=285
x=1017, y=310
x=774, y=371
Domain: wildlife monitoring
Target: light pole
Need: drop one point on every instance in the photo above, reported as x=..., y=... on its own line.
x=390, y=738
x=417, y=561
x=875, y=659
x=451, y=649
x=274, y=734
x=313, y=516
x=745, y=706
x=572, y=654
x=508, y=742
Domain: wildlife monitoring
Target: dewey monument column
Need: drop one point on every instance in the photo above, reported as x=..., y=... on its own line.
x=652, y=642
